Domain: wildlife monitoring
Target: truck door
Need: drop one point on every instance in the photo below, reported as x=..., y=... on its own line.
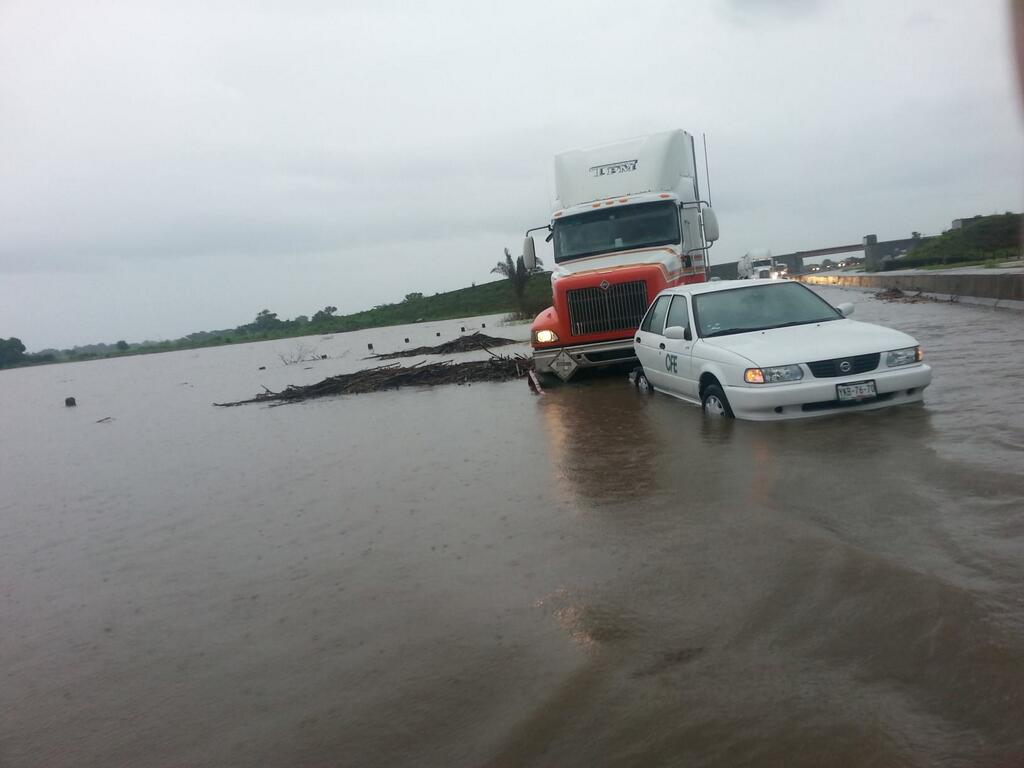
x=650, y=344
x=679, y=352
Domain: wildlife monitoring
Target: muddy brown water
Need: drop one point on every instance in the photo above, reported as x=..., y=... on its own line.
x=477, y=576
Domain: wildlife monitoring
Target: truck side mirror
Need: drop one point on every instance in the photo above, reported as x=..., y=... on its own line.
x=710, y=224
x=529, y=254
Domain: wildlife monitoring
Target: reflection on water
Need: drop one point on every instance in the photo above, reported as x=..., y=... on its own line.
x=478, y=576
x=599, y=444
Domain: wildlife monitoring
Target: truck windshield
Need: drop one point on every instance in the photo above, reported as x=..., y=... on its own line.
x=616, y=229
x=758, y=308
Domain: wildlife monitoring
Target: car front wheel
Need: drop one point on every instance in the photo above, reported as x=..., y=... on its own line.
x=642, y=384
x=715, y=402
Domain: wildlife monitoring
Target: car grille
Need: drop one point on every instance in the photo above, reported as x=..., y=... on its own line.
x=824, y=369
x=830, y=405
x=592, y=310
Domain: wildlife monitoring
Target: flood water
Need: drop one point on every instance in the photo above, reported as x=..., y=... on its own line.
x=477, y=576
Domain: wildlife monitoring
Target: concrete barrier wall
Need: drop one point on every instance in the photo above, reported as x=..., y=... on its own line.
x=996, y=289
x=725, y=271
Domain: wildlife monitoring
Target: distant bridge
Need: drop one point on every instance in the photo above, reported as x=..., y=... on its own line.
x=874, y=253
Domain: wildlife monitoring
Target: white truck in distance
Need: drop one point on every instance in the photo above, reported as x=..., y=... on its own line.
x=757, y=265
x=628, y=221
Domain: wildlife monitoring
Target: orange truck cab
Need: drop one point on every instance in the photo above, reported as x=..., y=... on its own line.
x=628, y=222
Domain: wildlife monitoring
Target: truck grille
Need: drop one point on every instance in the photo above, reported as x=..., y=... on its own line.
x=619, y=308
x=824, y=369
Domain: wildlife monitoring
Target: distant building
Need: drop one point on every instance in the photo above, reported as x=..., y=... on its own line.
x=958, y=223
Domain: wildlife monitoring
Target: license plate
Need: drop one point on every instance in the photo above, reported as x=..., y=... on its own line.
x=858, y=390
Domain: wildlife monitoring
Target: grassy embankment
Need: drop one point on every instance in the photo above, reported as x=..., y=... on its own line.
x=981, y=241
x=487, y=299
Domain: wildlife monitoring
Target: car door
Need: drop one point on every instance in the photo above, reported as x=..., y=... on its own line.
x=678, y=352
x=650, y=344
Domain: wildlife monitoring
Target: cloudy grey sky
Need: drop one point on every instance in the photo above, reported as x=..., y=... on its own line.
x=167, y=167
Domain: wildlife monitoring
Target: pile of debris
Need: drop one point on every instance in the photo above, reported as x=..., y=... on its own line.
x=394, y=376
x=895, y=294
x=469, y=343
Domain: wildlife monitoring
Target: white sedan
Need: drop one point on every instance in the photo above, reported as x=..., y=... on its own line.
x=772, y=349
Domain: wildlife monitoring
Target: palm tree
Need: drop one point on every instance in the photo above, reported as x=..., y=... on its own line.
x=516, y=272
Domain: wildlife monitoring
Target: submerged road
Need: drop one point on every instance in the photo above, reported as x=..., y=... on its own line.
x=477, y=576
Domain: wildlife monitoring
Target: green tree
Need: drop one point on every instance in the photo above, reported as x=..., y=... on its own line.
x=266, y=320
x=516, y=273
x=122, y=345
x=11, y=351
x=324, y=314
x=413, y=296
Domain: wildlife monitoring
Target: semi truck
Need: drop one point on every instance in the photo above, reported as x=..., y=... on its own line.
x=628, y=221
x=757, y=264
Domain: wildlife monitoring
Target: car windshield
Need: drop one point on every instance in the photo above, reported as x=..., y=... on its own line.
x=615, y=229
x=759, y=307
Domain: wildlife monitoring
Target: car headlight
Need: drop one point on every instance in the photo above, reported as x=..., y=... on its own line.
x=773, y=375
x=545, y=336
x=905, y=356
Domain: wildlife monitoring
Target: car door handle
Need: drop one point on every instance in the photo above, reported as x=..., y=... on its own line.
x=662, y=345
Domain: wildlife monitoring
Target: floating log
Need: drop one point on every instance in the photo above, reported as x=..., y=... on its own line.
x=395, y=375
x=469, y=343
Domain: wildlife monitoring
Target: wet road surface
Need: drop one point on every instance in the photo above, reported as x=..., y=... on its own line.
x=477, y=576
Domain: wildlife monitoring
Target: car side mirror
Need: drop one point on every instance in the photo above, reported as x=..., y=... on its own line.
x=845, y=309
x=710, y=224
x=677, y=333
x=529, y=254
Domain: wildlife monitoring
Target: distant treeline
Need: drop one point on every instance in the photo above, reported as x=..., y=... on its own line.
x=487, y=299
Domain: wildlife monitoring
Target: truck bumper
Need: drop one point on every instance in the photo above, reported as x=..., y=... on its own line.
x=594, y=355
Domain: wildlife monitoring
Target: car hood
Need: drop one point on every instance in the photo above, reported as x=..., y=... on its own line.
x=815, y=341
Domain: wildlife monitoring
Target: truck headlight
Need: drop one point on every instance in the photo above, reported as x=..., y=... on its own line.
x=773, y=375
x=545, y=336
x=905, y=356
